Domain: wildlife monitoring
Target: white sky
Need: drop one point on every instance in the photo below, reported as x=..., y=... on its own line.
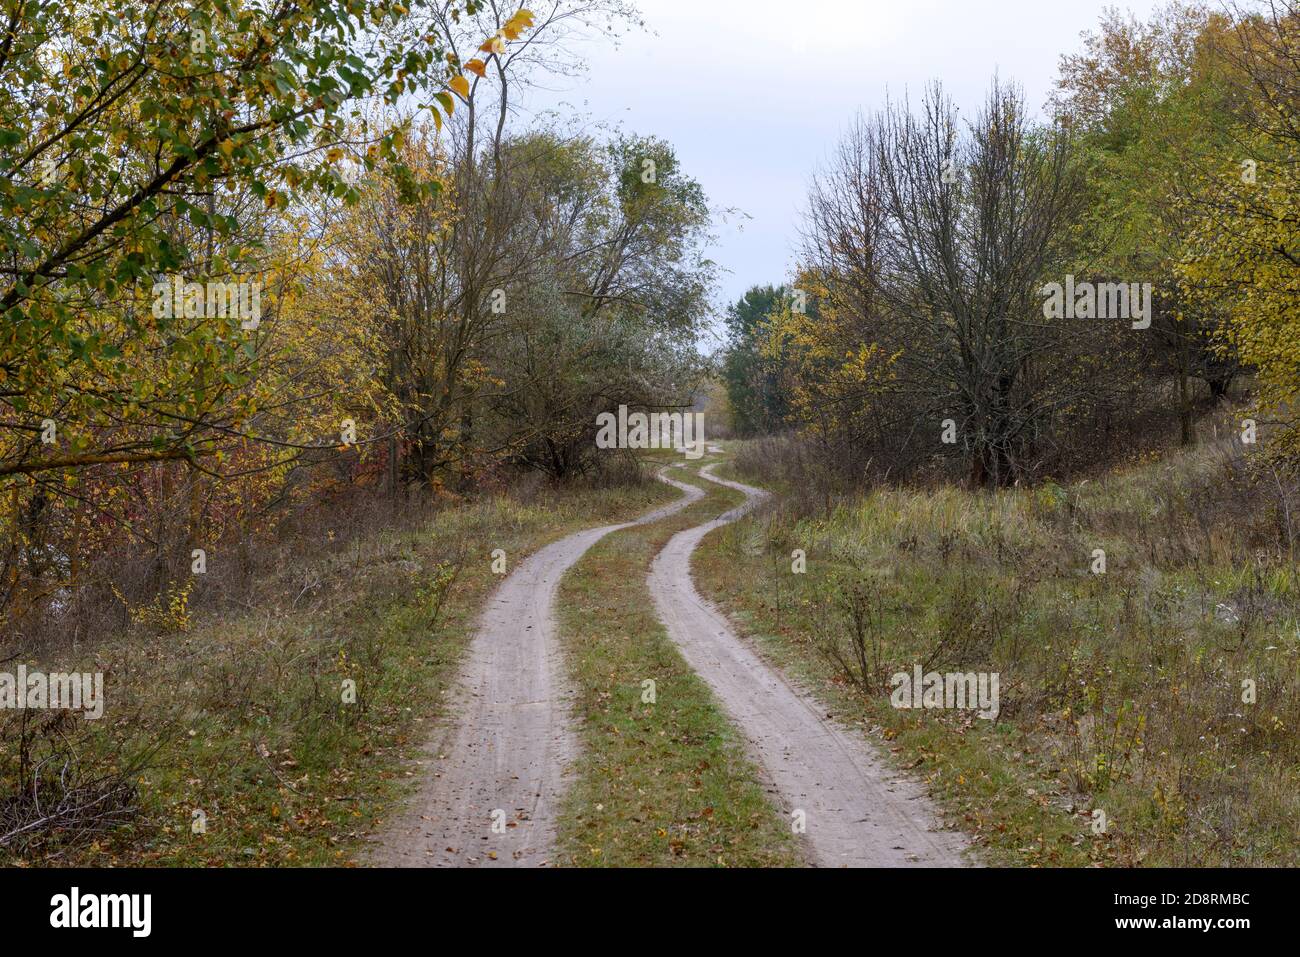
x=754, y=93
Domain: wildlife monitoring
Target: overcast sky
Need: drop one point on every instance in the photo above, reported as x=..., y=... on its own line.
x=754, y=93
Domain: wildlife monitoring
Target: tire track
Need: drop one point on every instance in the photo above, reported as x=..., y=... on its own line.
x=513, y=737
x=859, y=812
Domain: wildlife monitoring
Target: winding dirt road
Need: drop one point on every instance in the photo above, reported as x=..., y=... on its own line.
x=513, y=738
x=857, y=811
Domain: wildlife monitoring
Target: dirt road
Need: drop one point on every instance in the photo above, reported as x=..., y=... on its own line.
x=512, y=740
x=856, y=810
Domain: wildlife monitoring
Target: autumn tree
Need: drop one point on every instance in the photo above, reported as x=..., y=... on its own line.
x=1243, y=254
x=752, y=376
x=932, y=242
x=615, y=295
x=153, y=147
x=1144, y=101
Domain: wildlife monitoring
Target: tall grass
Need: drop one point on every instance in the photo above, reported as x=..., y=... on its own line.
x=1127, y=686
x=230, y=740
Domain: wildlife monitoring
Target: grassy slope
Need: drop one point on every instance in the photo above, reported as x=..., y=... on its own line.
x=662, y=784
x=1120, y=692
x=245, y=713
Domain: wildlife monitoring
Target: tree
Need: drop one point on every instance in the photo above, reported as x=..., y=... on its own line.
x=932, y=248
x=758, y=403
x=616, y=291
x=1243, y=254
x=150, y=148
x=130, y=139
x=1144, y=101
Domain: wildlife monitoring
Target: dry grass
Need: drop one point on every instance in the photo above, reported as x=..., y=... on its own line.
x=240, y=715
x=664, y=783
x=1121, y=692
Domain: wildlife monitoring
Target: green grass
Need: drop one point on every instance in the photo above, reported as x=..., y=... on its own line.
x=242, y=717
x=1120, y=692
x=659, y=784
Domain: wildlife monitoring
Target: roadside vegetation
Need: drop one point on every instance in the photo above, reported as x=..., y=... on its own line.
x=290, y=294
x=1029, y=402
x=302, y=316
x=1161, y=693
x=663, y=780
x=243, y=716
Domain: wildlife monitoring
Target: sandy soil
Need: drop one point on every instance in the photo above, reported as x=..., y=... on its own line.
x=512, y=739
x=858, y=811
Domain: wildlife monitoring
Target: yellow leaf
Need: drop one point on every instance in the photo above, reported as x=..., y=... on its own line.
x=521, y=20
x=476, y=67
x=460, y=85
